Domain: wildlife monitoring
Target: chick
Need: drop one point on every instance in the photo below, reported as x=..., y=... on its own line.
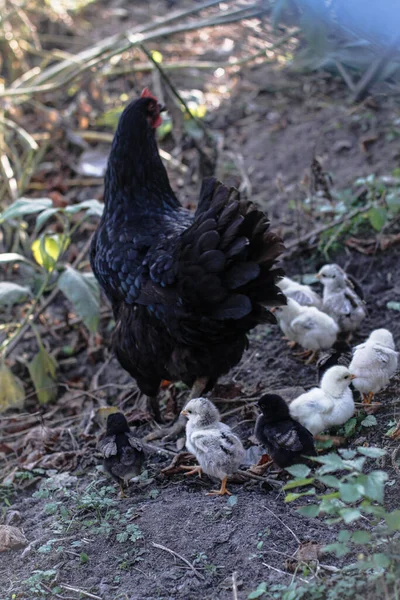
x=286, y=440
x=374, y=363
x=328, y=405
x=339, y=354
x=303, y=294
x=122, y=451
x=218, y=450
x=308, y=326
x=340, y=299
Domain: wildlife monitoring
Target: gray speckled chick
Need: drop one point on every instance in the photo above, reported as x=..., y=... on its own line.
x=218, y=450
x=340, y=300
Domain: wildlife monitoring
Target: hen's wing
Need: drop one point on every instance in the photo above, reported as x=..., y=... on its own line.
x=221, y=268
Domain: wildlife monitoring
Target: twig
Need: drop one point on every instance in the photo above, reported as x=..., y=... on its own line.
x=282, y=572
x=393, y=459
x=372, y=73
x=269, y=480
x=234, y=586
x=70, y=588
x=292, y=247
x=346, y=76
x=195, y=571
x=284, y=524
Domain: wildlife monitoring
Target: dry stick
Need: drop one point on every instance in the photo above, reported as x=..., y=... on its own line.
x=46, y=304
x=195, y=571
x=284, y=524
x=234, y=586
x=291, y=247
x=70, y=588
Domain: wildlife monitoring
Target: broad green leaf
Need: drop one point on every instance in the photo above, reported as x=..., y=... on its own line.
x=48, y=248
x=293, y=496
x=44, y=217
x=393, y=520
x=83, y=291
x=350, y=427
x=7, y=257
x=347, y=453
x=260, y=591
x=371, y=452
x=393, y=305
x=381, y=560
x=349, y=515
x=298, y=483
x=25, y=206
x=300, y=471
x=12, y=293
x=393, y=201
x=361, y=537
x=374, y=484
x=344, y=535
x=350, y=492
x=93, y=207
x=377, y=217
x=311, y=510
x=329, y=480
x=330, y=463
x=12, y=393
x=337, y=548
x=42, y=370
x=369, y=421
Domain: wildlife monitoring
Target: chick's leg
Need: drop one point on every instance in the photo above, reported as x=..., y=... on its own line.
x=192, y=470
x=122, y=490
x=367, y=398
x=222, y=491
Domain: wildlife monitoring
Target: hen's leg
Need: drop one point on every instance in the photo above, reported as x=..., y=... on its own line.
x=170, y=434
x=222, y=491
x=154, y=405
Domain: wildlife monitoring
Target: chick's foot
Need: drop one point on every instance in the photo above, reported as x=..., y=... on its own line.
x=192, y=470
x=222, y=491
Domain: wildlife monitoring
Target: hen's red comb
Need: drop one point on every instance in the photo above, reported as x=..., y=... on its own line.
x=147, y=94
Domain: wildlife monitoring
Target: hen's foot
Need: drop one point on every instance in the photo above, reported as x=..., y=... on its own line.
x=167, y=434
x=263, y=464
x=192, y=470
x=222, y=491
x=154, y=406
x=395, y=435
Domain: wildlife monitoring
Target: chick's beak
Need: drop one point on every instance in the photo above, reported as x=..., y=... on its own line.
x=353, y=377
x=318, y=276
x=184, y=413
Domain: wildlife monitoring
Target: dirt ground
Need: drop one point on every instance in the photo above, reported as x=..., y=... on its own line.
x=168, y=540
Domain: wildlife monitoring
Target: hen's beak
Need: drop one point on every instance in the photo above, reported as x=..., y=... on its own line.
x=184, y=413
x=273, y=309
x=162, y=107
x=353, y=377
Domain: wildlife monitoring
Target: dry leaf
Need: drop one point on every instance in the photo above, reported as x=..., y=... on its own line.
x=307, y=553
x=12, y=394
x=11, y=538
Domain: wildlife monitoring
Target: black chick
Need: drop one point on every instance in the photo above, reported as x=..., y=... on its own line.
x=122, y=451
x=340, y=354
x=286, y=440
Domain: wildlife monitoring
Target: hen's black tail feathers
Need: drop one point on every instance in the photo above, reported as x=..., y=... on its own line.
x=227, y=259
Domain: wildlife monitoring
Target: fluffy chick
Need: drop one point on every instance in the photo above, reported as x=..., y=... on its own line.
x=340, y=354
x=328, y=405
x=218, y=450
x=374, y=363
x=308, y=326
x=286, y=440
x=340, y=299
x=122, y=451
x=303, y=294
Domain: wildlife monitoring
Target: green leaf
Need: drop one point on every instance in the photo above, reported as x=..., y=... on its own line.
x=12, y=293
x=369, y=421
x=12, y=393
x=347, y=453
x=25, y=206
x=7, y=257
x=381, y=560
x=393, y=201
x=42, y=370
x=371, y=452
x=93, y=208
x=311, y=510
x=300, y=471
x=349, y=515
x=337, y=548
x=157, y=56
x=293, y=496
x=84, y=558
x=262, y=588
x=350, y=427
x=344, y=535
x=44, y=217
x=361, y=537
x=393, y=305
x=393, y=520
x=374, y=485
x=350, y=492
x=331, y=462
x=83, y=291
x=298, y=483
x=377, y=217
x=329, y=480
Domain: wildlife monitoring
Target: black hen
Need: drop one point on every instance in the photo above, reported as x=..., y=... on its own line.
x=340, y=354
x=185, y=288
x=286, y=440
x=122, y=451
